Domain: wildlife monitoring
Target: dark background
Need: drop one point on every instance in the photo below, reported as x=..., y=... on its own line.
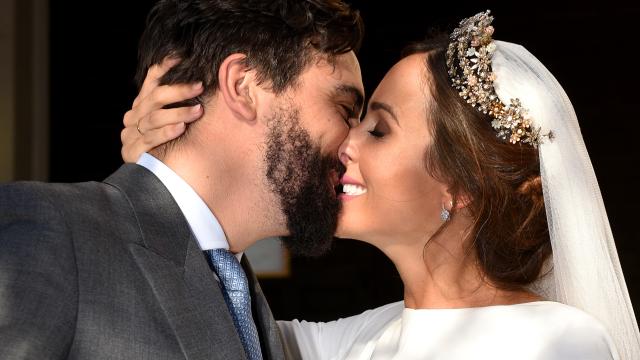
x=589, y=47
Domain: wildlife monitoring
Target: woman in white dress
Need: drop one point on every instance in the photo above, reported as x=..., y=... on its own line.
x=469, y=172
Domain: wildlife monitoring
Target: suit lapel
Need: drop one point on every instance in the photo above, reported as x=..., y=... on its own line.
x=175, y=267
x=271, y=342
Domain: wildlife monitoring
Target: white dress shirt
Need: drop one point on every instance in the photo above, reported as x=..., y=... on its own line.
x=203, y=223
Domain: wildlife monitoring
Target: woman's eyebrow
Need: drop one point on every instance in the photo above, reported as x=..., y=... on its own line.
x=377, y=105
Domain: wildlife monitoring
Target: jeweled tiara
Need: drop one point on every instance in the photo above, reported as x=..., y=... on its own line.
x=469, y=65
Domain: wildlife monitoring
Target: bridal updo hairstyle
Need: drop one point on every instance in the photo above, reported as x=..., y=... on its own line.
x=500, y=180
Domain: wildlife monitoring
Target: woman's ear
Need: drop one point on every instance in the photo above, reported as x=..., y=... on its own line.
x=235, y=81
x=461, y=202
x=456, y=200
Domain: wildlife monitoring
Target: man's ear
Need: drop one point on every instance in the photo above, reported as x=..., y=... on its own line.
x=235, y=80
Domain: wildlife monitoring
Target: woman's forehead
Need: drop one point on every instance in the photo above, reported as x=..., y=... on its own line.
x=404, y=82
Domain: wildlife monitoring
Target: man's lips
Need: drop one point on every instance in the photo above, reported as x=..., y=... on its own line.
x=334, y=177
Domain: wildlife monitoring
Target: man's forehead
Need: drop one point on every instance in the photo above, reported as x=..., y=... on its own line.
x=339, y=74
x=351, y=91
x=324, y=81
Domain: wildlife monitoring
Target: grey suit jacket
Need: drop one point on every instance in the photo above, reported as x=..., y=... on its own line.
x=111, y=270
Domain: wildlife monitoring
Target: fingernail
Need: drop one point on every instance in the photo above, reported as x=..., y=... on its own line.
x=197, y=86
x=196, y=109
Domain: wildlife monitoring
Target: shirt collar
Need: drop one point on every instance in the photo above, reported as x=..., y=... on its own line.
x=203, y=223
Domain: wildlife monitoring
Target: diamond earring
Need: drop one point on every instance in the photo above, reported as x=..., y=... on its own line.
x=445, y=215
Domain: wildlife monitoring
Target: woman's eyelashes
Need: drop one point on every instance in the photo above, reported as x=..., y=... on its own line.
x=380, y=130
x=376, y=133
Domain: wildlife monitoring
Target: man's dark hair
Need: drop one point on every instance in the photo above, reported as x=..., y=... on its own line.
x=278, y=37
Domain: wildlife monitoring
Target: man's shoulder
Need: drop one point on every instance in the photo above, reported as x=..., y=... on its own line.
x=93, y=216
x=61, y=194
x=37, y=189
x=124, y=208
x=89, y=203
x=58, y=196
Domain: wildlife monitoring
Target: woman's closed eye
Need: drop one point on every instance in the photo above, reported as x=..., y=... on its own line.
x=380, y=130
x=376, y=133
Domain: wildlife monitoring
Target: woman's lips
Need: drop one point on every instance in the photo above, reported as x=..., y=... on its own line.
x=351, y=188
x=349, y=180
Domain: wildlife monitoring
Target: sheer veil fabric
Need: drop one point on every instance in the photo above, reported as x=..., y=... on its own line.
x=585, y=271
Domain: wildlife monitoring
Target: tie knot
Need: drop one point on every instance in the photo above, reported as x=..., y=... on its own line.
x=228, y=269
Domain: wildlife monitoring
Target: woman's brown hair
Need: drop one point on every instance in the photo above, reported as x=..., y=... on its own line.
x=500, y=180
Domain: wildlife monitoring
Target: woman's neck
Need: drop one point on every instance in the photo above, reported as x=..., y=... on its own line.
x=444, y=273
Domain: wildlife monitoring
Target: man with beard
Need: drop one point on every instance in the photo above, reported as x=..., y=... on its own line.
x=144, y=265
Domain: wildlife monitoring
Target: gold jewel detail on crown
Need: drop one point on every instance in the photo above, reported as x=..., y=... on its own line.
x=469, y=65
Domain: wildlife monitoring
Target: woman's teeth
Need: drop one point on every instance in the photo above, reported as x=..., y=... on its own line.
x=353, y=190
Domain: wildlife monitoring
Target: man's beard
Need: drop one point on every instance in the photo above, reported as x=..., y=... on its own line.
x=300, y=176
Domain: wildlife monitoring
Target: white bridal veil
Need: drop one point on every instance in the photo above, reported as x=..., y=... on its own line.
x=586, y=271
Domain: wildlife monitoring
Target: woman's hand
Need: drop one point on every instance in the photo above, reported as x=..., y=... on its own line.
x=147, y=124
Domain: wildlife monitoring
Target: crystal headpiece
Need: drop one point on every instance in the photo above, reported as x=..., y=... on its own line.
x=469, y=64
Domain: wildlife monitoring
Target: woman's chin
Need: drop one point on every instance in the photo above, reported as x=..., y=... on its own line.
x=347, y=230
x=353, y=224
x=341, y=231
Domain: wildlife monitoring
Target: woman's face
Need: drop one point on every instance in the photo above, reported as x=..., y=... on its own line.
x=389, y=198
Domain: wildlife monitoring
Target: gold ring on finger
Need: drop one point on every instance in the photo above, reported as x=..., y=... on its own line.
x=138, y=127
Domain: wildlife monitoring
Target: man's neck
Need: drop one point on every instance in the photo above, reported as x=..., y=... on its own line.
x=232, y=196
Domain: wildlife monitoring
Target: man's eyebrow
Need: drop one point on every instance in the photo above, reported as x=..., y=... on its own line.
x=355, y=93
x=376, y=105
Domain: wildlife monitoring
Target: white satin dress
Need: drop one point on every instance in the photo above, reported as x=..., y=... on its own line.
x=541, y=330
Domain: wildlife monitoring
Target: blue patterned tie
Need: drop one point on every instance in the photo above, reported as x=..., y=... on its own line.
x=235, y=289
